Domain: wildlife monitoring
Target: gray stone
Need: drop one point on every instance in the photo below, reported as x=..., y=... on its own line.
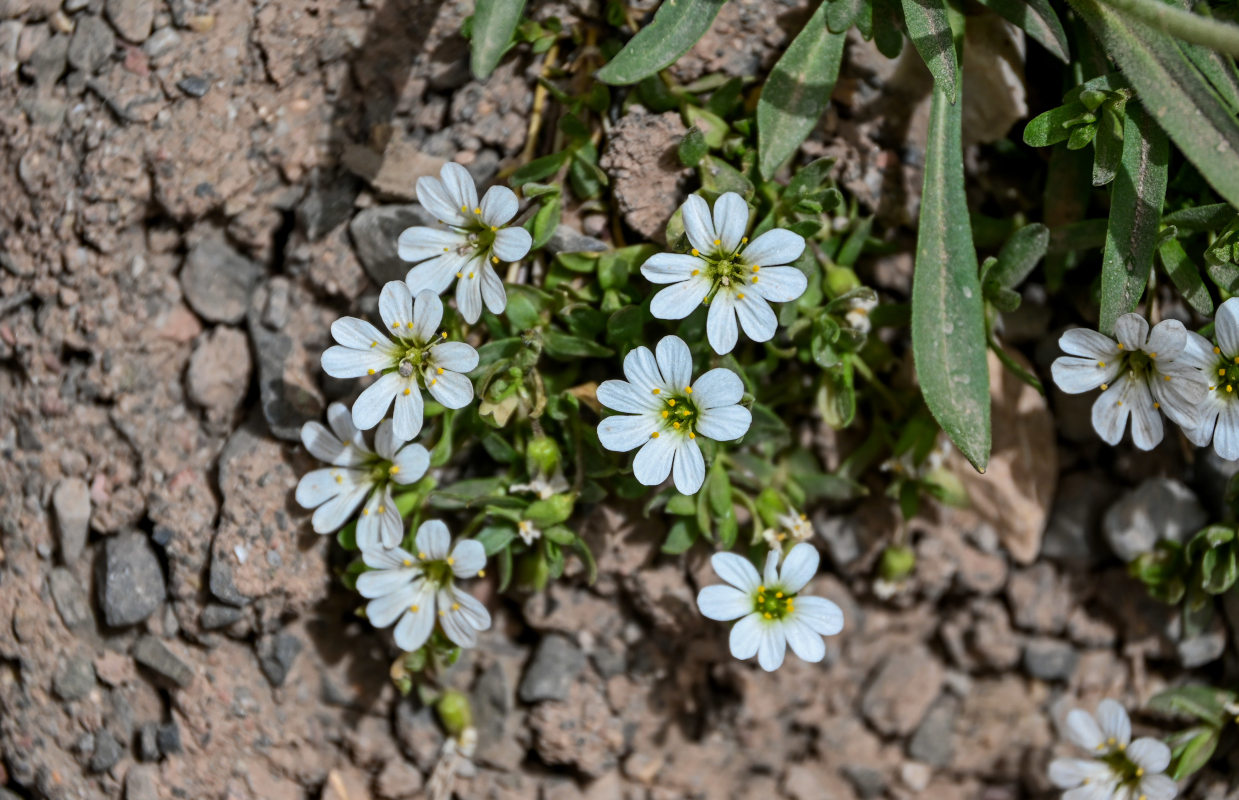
x=276, y=654
x=867, y=781
x=1050, y=659
x=221, y=583
x=933, y=742
x=1159, y=508
x=218, y=281
x=328, y=203
x=194, y=85
x=70, y=599
x=419, y=735
x=840, y=535
x=374, y=233
x=92, y=44
x=152, y=653
x=132, y=584
x=1071, y=532
x=148, y=742
x=1202, y=648
x=74, y=678
x=13, y=8
x=551, y=672
x=107, y=751
x=47, y=62
x=133, y=19
x=161, y=41
x=169, y=738
x=284, y=407
x=901, y=691
x=140, y=783
x=275, y=311
x=215, y=616
x=71, y=505
x=491, y=700
x=566, y=239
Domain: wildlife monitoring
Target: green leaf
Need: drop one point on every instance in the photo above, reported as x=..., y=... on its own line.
x=1056, y=125
x=1135, y=217
x=718, y=489
x=1185, y=275
x=1019, y=256
x=1038, y=20
x=929, y=28
x=836, y=396
x=681, y=537
x=718, y=176
x=495, y=538
x=692, y=147
x=1200, y=218
x=948, y=327
x=494, y=22
x=677, y=25
x=798, y=90
x=562, y=346
x=842, y=14
x=540, y=168
x=713, y=129
x=1196, y=753
x=682, y=505
x=1108, y=142
x=551, y=511
x=1173, y=92
x=1204, y=703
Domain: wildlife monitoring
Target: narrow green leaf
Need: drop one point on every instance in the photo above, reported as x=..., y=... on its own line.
x=929, y=28
x=494, y=22
x=1174, y=93
x=1196, y=754
x=1108, y=143
x=948, y=326
x=1051, y=127
x=1135, y=217
x=1020, y=255
x=1038, y=20
x=798, y=90
x=677, y=25
x=540, y=168
x=692, y=147
x=1200, y=218
x=841, y=14
x=1185, y=275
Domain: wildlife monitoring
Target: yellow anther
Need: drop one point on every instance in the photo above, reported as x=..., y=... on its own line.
x=370, y=372
x=1118, y=402
x=778, y=594
x=438, y=370
x=415, y=608
x=676, y=425
x=1216, y=349
x=761, y=589
x=365, y=512
x=744, y=240
x=717, y=242
x=455, y=606
x=695, y=252
x=1221, y=372
x=421, y=555
x=393, y=469
x=382, y=509
x=1152, y=355
x=477, y=211
x=447, y=249
x=1139, y=772
x=407, y=391
x=1157, y=405
x=339, y=479
x=442, y=334
x=696, y=272
x=493, y=229
x=666, y=413
x=761, y=598
x=1165, y=377
x=656, y=391
x=464, y=208
x=740, y=295
x=692, y=435
x=395, y=325
x=671, y=402
x=1229, y=388
x=769, y=615
x=756, y=268
x=374, y=344
x=450, y=561
x=442, y=612
x=654, y=435
x=1101, y=363
x=409, y=324
x=407, y=562
x=1120, y=345
x=434, y=381
x=1237, y=359
x=754, y=279
x=470, y=276
x=481, y=573
x=688, y=390
x=460, y=274
x=494, y=259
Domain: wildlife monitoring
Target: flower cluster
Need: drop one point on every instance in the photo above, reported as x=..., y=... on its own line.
x=664, y=413
x=1116, y=767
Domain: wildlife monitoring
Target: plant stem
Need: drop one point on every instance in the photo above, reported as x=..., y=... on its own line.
x=1182, y=24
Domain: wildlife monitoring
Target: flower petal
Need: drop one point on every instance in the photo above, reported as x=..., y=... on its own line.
x=641, y=369
x=653, y=462
x=469, y=294
x=756, y=316
x=1106, y=787
x=454, y=356
x=1226, y=436
x=333, y=514
x=420, y=243
x=1111, y=409
x=359, y=335
x=1150, y=754
x=1113, y=720
x=623, y=396
x=1202, y=434
x=799, y=566
x=1075, y=375
x=471, y=609
x=318, y=486
x=717, y=388
x=1226, y=327
x=321, y=443
x=451, y=389
x=820, y=614
x=436, y=199
x=679, y=300
x=499, y=205
x=689, y=468
x=1068, y=773
x=380, y=582
x=407, y=417
x=433, y=540
x=725, y=423
x=804, y=642
x=455, y=623
x=774, y=248
x=427, y=314
x=1132, y=331
x=460, y=187
x=341, y=421
x=1083, y=730
x=372, y=404
x=731, y=218
x=512, y=244
x=736, y=570
x=1158, y=787
x=396, y=306
x=746, y=637
x=721, y=328
x=469, y=557
x=415, y=626
x=675, y=362
x=622, y=433
x=493, y=294
x=779, y=284
x=391, y=558
x=1089, y=344
x=436, y=274
x=698, y=225
x=723, y=603
x=1146, y=423
x=344, y=362
x=385, y=442
x=1167, y=339
x=770, y=572
x=671, y=267
x=411, y=464
x=772, y=648
x=383, y=610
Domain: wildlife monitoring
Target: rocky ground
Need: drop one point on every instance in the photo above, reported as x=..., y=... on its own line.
x=193, y=190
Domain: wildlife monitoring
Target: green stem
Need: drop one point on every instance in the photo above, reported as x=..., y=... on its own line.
x=1182, y=24
x=860, y=366
x=1011, y=364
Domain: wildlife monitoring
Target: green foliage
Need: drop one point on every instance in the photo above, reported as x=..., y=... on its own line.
x=494, y=23
x=929, y=28
x=677, y=25
x=1210, y=710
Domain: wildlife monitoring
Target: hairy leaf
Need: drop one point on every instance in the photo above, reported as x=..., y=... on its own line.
x=1038, y=20
x=677, y=25
x=494, y=22
x=1185, y=275
x=929, y=28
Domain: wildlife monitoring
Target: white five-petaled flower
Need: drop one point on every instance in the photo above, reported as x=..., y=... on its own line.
x=1140, y=373
x=543, y=486
x=1219, y=410
x=476, y=237
x=857, y=314
x=734, y=277
x=418, y=589
x=528, y=533
x=357, y=474
x=772, y=612
x=664, y=411
x=417, y=354
x=791, y=526
x=1118, y=767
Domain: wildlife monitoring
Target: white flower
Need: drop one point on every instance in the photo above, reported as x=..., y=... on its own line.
x=416, y=356
x=357, y=474
x=723, y=270
x=1118, y=768
x=665, y=412
x=410, y=588
x=857, y=315
x=1143, y=372
x=542, y=486
x=791, y=526
x=475, y=237
x=1219, y=410
x=528, y=532
x=771, y=612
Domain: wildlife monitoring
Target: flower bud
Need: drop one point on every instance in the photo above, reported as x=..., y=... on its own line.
x=454, y=712
x=542, y=456
x=897, y=563
x=841, y=280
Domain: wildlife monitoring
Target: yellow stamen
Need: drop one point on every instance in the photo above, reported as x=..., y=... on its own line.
x=671, y=402
x=778, y=594
x=756, y=268
x=1157, y=405
x=407, y=391
x=339, y=479
x=493, y=229
x=438, y=370
x=382, y=509
x=695, y=252
x=421, y=555
x=657, y=391
x=460, y=274
x=769, y=615
x=365, y=512
x=450, y=561
x=696, y=272
x=442, y=334
x=407, y=562
x=654, y=435
x=494, y=259
x=477, y=211
x=1165, y=377
x=455, y=606
x=1118, y=402
x=374, y=344
x=415, y=608
x=481, y=573
x=369, y=372
x=754, y=279
x=744, y=240
x=692, y=435
x=434, y=381
x=395, y=325
x=393, y=469
x=1216, y=349
x=740, y=295
x=676, y=425
x=1152, y=355
x=666, y=413
x=1120, y=345
x=1101, y=363
x=688, y=390
x=470, y=276
x=717, y=242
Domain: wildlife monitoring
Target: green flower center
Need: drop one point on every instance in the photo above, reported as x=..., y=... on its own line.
x=679, y=413
x=773, y=603
x=1126, y=770
x=727, y=270
x=1225, y=376
x=438, y=573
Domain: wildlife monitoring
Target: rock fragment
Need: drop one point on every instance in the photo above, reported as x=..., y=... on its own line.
x=647, y=179
x=554, y=668
x=107, y=751
x=374, y=233
x=1050, y=659
x=70, y=599
x=1159, y=508
x=217, y=280
x=131, y=586
x=153, y=654
x=71, y=505
x=276, y=655
x=219, y=372
x=902, y=690
x=74, y=678
x=92, y=44
x=133, y=19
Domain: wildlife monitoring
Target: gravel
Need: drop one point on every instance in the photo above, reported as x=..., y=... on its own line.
x=1159, y=508
x=276, y=654
x=217, y=280
x=554, y=667
x=153, y=654
x=131, y=587
x=71, y=505
x=70, y=599
x=92, y=44
x=374, y=233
